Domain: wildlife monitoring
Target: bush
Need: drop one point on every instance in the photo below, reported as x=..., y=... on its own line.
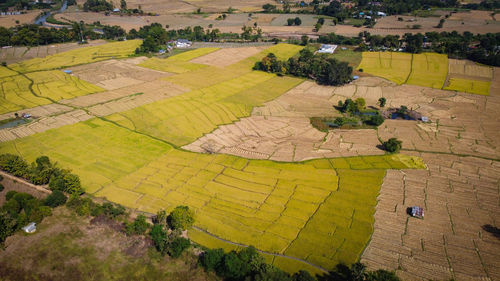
x=139, y=226
x=382, y=102
x=392, y=145
x=1, y=187
x=211, y=259
x=10, y=194
x=13, y=164
x=66, y=182
x=375, y=120
x=177, y=246
x=57, y=198
x=181, y=218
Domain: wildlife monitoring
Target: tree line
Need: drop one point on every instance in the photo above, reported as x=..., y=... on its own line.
x=41, y=171
x=481, y=48
x=321, y=68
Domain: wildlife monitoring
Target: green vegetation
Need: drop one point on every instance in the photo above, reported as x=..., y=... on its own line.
x=324, y=70
x=42, y=171
x=392, y=145
x=181, y=218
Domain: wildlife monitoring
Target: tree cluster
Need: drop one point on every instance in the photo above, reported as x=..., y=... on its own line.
x=356, y=109
x=294, y=21
x=41, y=172
x=166, y=232
x=87, y=207
x=392, y=145
x=22, y=208
x=325, y=70
x=97, y=6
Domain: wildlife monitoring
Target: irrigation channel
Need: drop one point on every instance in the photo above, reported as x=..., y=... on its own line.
x=42, y=20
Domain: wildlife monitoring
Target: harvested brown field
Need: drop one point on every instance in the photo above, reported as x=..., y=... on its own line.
x=469, y=69
x=456, y=239
x=115, y=74
x=285, y=139
x=227, y=56
x=18, y=54
x=10, y=21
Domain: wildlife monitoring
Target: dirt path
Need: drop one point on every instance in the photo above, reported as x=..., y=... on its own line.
x=263, y=252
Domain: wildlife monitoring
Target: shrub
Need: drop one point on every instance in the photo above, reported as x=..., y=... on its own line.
x=10, y=194
x=211, y=259
x=181, y=218
x=1, y=187
x=375, y=120
x=57, y=198
x=139, y=226
x=177, y=246
x=160, y=238
x=392, y=145
x=7, y=225
x=13, y=164
x=382, y=102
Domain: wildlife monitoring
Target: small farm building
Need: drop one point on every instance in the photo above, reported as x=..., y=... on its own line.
x=327, y=49
x=417, y=212
x=183, y=43
x=67, y=71
x=30, y=228
x=116, y=10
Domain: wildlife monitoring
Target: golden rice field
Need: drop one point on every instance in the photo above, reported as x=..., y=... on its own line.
x=79, y=56
x=320, y=211
x=307, y=215
x=426, y=69
x=47, y=86
x=389, y=65
x=469, y=86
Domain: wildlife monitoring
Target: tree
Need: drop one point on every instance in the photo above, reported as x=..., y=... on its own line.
x=268, y=8
x=123, y=4
x=382, y=101
x=297, y=21
x=181, y=218
x=161, y=218
x=317, y=27
x=392, y=145
x=160, y=238
x=56, y=198
x=290, y=22
x=303, y=275
x=139, y=226
x=212, y=259
x=231, y=266
x=304, y=39
x=7, y=225
x=360, y=103
x=177, y=246
x=376, y=120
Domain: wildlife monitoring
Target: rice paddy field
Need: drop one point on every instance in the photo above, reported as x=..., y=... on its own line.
x=40, y=81
x=302, y=215
x=428, y=70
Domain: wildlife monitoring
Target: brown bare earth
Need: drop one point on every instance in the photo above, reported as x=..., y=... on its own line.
x=115, y=74
x=10, y=182
x=10, y=20
x=227, y=56
x=280, y=130
x=457, y=237
x=17, y=54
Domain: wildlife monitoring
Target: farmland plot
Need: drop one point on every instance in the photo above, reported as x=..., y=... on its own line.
x=392, y=66
x=79, y=56
x=178, y=63
x=40, y=88
x=428, y=70
x=460, y=197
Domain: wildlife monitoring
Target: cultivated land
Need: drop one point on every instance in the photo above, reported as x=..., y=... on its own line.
x=302, y=215
x=275, y=24
x=429, y=70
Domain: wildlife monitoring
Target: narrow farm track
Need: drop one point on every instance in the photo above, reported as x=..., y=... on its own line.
x=263, y=252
